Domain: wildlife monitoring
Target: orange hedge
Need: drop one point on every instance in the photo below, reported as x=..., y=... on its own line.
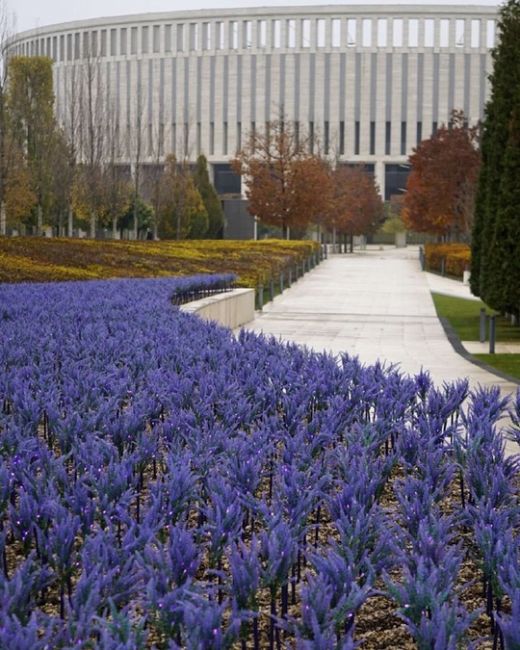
x=457, y=258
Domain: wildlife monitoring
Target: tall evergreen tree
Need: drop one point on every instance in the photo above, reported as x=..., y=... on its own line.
x=506, y=250
x=209, y=198
x=488, y=264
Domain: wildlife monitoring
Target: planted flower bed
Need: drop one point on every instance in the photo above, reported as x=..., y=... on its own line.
x=41, y=259
x=165, y=485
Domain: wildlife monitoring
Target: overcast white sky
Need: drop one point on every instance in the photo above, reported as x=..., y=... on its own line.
x=37, y=13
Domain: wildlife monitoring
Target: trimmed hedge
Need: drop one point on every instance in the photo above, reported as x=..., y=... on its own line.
x=457, y=258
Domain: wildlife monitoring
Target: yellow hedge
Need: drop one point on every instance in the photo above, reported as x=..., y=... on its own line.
x=40, y=259
x=457, y=258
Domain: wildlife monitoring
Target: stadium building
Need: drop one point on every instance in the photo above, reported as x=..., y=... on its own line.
x=369, y=81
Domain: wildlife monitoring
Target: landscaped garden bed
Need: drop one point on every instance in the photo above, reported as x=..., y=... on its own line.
x=450, y=259
x=463, y=316
x=40, y=259
x=165, y=484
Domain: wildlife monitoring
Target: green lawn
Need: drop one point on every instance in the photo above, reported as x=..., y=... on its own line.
x=464, y=316
x=508, y=363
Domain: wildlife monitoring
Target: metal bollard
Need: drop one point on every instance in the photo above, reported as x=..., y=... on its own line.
x=260, y=296
x=281, y=282
x=443, y=266
x=271, y=289
x=492, y=334
x=483, y=319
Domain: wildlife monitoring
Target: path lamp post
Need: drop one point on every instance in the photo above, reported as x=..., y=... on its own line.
x=260, y=297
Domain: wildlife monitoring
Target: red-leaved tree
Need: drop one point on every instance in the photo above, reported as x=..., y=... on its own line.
x=284, y=180
x=355, y=205
x=441, y=188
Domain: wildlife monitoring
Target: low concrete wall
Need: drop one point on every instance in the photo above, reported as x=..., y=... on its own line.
x=231, y=309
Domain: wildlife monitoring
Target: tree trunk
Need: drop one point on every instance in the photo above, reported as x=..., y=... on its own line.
x=351, y=243
x=178, y=224
x=135, y=229
x=3, y=219
x=93, y=225
x=114, y=228
x=39, y=221
x=70, y=222
x=155, y=231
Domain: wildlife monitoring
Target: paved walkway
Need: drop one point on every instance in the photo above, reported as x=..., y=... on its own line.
x=475, y=347
x=449, y=287
x=375, y=304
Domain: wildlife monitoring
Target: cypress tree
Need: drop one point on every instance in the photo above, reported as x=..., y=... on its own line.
x=488, y=263
x=506, y=253
x=478, y=223
x=209, y=198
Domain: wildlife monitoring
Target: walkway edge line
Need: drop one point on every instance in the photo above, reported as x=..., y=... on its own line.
x=461, y=350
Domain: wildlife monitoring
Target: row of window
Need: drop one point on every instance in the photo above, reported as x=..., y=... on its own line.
x=276, y=34
x=337, y=141
x=181, y=138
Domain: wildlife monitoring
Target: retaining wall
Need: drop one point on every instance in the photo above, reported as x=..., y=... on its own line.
x=231, y=309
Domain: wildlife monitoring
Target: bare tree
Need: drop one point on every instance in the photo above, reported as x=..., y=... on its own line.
x=91, y=145
x=117, y=188
x=135, y=133
x=71, y=127
x=154, y=174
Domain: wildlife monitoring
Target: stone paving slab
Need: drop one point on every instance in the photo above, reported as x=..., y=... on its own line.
x=375, y=304
x=449, y=287
x=475, y=347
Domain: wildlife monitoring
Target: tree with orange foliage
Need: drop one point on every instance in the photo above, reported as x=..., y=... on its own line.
x=285, y=182
x=440, y=194
x=355, y=207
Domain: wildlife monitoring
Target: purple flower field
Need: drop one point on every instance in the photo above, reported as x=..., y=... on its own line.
x=165, y=485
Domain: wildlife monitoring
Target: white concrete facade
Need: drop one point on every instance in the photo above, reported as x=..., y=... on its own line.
x=370, y=81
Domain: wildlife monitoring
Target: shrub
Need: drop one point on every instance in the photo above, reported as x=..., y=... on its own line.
x=457, y=258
